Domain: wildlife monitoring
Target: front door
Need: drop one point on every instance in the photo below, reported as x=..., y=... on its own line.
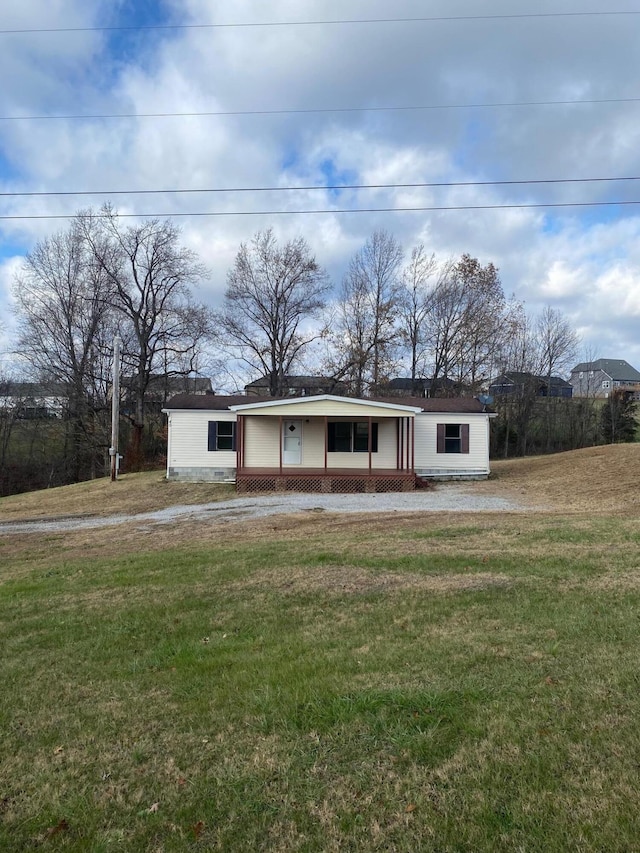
x=292, y=442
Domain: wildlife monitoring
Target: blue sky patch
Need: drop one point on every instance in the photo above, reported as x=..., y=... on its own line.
x=336, y=177
x=138, y=46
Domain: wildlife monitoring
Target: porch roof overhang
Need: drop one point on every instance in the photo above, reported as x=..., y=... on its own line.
x=327, y=405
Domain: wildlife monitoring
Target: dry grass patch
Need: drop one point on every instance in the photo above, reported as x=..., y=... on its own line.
x=354, y=580
x=628, y=581
x=595, y=479
x=130, y=495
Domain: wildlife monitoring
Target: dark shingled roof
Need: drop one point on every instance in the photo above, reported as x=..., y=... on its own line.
x=467, y=405
x=616, y=368
x=212, y=402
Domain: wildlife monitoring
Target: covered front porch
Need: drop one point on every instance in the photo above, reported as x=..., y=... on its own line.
x=325, y=444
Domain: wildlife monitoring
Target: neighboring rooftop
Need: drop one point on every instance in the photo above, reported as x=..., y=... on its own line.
x=618, y=369
x=299, y=385
x=518, y=377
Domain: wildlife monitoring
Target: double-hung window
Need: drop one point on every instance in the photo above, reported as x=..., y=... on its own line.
x=453, y=438
x=351, y=437
x=221, y=435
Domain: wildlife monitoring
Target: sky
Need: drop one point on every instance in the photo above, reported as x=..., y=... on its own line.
x=478, y=92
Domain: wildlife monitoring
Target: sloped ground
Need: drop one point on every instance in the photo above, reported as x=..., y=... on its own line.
x=596, y=479
x=130, y=495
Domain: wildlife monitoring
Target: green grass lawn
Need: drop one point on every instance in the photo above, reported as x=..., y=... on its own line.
x=432, y=684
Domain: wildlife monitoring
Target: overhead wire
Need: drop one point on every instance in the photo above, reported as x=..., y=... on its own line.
x=319, y=110
x=327, y=187
x=316, y=23
x=432, y=208
x=332, y=22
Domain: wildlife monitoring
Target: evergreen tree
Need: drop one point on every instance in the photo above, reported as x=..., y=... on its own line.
x=618, y=422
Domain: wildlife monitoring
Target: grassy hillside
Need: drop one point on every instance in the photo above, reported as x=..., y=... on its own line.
x=607, y=477
x=130, y=494
x=592, y=479
x=317, y=682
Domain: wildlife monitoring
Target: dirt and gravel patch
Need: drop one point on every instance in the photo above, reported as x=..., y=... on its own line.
x=444, y=498
x=596, y=479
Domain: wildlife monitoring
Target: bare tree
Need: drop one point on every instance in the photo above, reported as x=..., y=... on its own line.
x=483, y=319
x=464, y=322
x=558, y=341
x=517, y=355
x=415, y=303
x=365, y=337
x=272, y=291
x=63, y=304
x=558, y=344
x=9, y=408
x=150, y=277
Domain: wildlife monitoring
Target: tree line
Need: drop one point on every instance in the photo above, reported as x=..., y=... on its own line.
x=448, y=321
x=394, y=313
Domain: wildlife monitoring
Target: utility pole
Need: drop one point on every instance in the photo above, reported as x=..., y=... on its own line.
x=115, y=410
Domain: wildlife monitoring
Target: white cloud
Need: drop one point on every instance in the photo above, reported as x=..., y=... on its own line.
x=585, y=261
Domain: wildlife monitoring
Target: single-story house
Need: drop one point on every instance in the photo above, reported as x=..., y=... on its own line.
x=407, y=387
x=161, y=387
x=34, y=400
x=298, y=386
x=520, y=383
x=325, y=443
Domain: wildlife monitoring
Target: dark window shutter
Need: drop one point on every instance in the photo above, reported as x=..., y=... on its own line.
x=374, y=437
x=440, y=438
x=464, y=438
x=234, y=433
x=213, y=433
x=331, y=437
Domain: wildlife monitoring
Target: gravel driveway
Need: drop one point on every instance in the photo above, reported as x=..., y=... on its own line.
x=445, y=498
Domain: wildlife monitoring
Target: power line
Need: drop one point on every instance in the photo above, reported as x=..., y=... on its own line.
x=422, y=185
x=332, y=210
x=320, y=110
x=334, y=22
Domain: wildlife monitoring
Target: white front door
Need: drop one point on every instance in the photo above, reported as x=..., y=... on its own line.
x=292, y=442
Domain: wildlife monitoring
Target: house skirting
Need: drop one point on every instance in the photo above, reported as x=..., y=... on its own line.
x=200, y=474
x=451, y=474
x=255, y=480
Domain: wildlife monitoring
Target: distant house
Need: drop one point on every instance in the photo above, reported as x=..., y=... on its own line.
x=325, y=442
x=298, y=386
x=161, y=388
x=516, y=383
x=405, y=386
x=599, y=378
x=32, y=400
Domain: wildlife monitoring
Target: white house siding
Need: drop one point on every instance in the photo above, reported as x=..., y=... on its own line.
x=430, y=463
x=188, y=458
x=262, y=444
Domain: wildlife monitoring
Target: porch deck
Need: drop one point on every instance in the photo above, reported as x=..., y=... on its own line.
x=349, y=480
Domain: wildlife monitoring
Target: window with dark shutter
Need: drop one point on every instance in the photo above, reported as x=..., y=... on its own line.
x=222, y=435
x=452, y=438
x=464, y=438
x=213, y=433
